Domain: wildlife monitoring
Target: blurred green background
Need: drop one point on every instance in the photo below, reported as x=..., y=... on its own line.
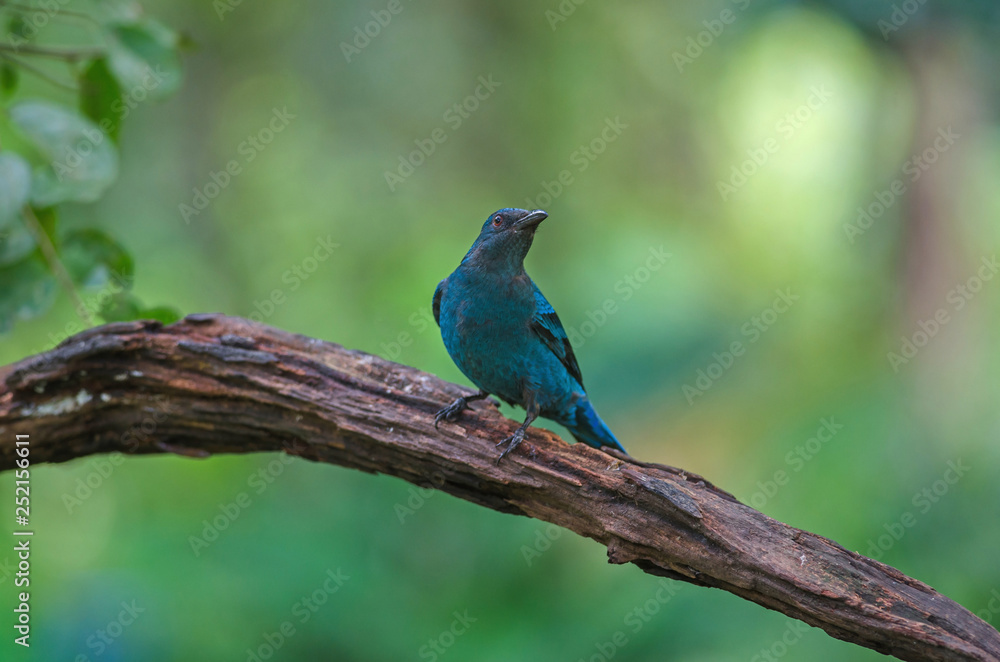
x=749, y=135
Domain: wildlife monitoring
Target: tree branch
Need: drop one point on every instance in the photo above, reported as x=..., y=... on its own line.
x=214, y=384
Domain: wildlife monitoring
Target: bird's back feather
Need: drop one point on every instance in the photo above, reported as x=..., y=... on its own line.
x=548, y=327
x=436, y=304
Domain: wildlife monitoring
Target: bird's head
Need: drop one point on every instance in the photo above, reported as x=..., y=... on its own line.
x=505, y=238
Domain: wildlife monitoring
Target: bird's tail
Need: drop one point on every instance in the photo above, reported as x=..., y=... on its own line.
x=591, y=430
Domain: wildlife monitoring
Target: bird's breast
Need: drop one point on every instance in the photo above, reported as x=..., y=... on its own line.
x=485, y=326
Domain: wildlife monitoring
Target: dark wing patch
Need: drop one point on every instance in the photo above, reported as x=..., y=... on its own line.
x=436, y=306
x=548, y=327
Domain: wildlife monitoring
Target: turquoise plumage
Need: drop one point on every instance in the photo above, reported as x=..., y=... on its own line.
x=506, y=338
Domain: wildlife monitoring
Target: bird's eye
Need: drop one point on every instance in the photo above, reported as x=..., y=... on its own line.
x=497, y=221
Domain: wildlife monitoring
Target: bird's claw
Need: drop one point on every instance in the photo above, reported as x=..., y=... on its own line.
x=450, y=412
x=512, y=443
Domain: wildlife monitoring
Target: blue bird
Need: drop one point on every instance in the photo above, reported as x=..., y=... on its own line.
x=507, y=339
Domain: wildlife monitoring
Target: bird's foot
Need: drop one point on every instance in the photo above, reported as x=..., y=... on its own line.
x=512, y=442
x=451, y=412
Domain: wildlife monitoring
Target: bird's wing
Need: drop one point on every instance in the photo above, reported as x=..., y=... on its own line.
x=548, y=327
x=436, y=306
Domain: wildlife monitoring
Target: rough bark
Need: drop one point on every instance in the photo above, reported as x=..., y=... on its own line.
x=214, y=384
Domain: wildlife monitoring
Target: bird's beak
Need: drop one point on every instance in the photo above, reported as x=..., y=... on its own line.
x=531, y=220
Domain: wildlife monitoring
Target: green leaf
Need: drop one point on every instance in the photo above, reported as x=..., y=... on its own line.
x=93, y=259
x=101, y=97
x=19, y=31
x=15, y=187
x=8, y=77
x=144, y=58
x=13, y=140
x=82, y=162
x=123, y=307
x=27, y=289
x=49, y=221
x=15, y=243
x=165, y=314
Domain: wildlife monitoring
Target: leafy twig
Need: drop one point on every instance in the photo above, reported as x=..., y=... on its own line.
x=38, y=72
x=28, y=9
x=70, y=54
x=55, y=264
